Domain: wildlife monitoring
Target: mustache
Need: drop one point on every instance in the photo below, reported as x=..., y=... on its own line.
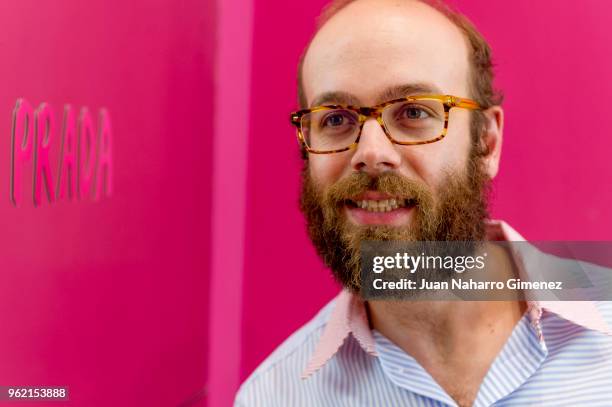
x=389, y=183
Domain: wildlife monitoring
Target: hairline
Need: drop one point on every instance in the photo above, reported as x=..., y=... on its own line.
x=328, y=13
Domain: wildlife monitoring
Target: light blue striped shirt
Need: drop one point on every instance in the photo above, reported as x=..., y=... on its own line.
x=559, y=354
x=571, y=367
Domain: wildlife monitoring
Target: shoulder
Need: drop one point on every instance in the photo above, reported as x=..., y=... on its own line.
x=283, y=367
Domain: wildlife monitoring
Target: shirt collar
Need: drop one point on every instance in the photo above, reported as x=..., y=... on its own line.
x=349, y=314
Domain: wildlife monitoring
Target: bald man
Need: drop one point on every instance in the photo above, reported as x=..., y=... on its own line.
x=401, y=132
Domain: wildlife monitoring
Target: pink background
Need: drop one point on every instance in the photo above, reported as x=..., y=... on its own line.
x=110, y=298
x=174, y=289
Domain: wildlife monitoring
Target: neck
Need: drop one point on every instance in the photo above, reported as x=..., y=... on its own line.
x=454, y=341
x=443, y=327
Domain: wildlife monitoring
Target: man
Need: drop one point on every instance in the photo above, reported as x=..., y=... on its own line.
x=401, y=132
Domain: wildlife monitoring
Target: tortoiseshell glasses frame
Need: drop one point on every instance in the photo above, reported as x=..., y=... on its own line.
x=364, y=113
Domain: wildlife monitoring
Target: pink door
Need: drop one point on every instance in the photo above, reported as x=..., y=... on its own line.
x=104, y=284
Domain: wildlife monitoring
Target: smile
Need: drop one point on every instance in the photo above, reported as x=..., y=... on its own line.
x=381, y=205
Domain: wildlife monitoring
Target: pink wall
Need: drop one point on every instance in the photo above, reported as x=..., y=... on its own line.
x=553, y=64
x=203, y=218
x=110, y=298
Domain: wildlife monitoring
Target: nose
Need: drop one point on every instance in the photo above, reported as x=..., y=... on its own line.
x=375, y=153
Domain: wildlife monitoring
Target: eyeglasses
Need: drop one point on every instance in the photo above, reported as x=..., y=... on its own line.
x=413, y=120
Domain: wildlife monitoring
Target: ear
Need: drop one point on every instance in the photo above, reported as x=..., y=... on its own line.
x=492, y=139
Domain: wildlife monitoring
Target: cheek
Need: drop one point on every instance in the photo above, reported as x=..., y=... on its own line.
x=325, y=169
x=432, y=162
x=456, y=144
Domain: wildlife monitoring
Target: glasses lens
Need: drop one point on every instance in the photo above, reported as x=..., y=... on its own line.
x=414, y=120
x=330, y=129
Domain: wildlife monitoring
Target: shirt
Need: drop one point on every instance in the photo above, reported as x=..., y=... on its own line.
x=558, y=354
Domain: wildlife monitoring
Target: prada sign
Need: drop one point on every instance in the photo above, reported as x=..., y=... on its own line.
x=85, y=165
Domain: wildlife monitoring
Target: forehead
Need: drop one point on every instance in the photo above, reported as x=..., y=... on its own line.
x=371, y=46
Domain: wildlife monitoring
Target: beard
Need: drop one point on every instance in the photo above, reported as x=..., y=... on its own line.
x=455, y=212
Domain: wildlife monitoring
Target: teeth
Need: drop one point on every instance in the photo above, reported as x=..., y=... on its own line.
x=383, y=205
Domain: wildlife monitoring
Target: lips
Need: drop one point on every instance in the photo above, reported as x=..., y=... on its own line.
x=381, y=205
x=378, y=208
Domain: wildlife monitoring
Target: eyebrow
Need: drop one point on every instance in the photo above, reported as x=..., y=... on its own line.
x=390, y=93
x=333, y=98
x=397, y=92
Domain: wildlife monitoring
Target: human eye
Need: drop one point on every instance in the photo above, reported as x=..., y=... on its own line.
x=414, y=112
x=337, y=120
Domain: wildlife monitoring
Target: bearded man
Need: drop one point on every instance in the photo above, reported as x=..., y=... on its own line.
x=401, y=133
